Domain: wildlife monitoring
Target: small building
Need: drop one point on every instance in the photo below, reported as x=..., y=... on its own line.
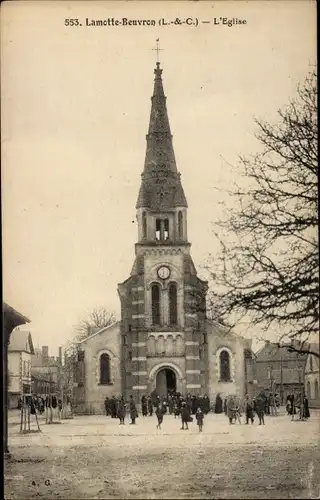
x=41, y=385
x=20, y=351
x=281, y=368
x=46, y=371
x=311, y=376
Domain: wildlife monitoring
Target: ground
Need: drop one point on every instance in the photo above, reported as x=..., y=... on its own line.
x=92, y=457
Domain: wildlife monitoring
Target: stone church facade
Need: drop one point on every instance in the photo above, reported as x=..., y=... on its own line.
x=164, y=341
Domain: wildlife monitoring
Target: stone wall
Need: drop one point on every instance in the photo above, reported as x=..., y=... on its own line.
x=106, y=341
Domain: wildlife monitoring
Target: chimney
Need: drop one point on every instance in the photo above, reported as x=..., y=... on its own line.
x=60, y=355
x=45, y=351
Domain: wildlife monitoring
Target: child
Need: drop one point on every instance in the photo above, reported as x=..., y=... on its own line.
x=199, y=417
x=159, y=413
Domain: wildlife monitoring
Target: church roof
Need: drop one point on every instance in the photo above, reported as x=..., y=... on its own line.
x=161, y=188
x=101, y=330
x=271, y=351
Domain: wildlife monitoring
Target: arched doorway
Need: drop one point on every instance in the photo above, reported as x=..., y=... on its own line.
x=166, y=382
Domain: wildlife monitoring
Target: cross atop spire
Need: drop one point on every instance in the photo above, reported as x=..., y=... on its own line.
x=157, y=48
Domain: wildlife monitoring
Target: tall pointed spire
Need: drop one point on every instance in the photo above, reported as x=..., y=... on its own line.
x=161, y=188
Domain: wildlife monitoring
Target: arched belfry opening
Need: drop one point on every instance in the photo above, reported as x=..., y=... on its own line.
x=144, y=225
x=166, y=382
x=155, y=301
x=173, y=305
x=180, y=225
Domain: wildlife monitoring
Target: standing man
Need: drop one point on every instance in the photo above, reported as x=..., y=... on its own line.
x=113, y=407
x=206, y=404
x=185, y=416
x=170, y=404
x=121, y=410
x=159, y=413
x=306, y=411
x=107, y=406
x=225, y=406
x=231, y=409
x=248, y=409
x=259, y=409
x=150, y=406
x=218, y=405
x=144, y=406
x=133, y=411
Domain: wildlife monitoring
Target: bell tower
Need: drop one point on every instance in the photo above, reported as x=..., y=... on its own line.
x=163, y=302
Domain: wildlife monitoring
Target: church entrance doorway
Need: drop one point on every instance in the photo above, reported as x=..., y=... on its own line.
x=166, y=382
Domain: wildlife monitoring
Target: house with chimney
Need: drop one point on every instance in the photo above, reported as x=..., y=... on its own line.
x=279, y=368
x=46, y=371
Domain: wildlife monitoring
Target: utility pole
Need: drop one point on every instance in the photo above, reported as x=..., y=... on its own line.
x=281, y=381
x=301, y=394
x=273, y=403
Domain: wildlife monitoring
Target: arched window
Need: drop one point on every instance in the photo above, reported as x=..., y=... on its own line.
x=308, y=390
x=316, y=390
x=104, y=369
x=311, y=363
x=166, y=229
x=173, y=314
x=180, y=225
x=224, y=366
x=155, y=298
x=144, y=225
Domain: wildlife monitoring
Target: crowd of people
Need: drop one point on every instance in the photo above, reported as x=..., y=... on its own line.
x=294, y=403
x=40, y=403
x=263, y=405
x=175, y=404
x=187, y=406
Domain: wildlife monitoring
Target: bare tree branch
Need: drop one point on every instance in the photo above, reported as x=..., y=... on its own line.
x=268, y=267
x=99, y=318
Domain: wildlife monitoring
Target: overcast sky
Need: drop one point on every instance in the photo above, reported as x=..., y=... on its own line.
x=75, y=112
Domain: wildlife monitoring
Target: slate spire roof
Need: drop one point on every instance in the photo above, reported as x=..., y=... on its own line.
x=161, y=187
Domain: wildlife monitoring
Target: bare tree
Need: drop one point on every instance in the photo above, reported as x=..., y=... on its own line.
x=267, y=270
x=99, y=318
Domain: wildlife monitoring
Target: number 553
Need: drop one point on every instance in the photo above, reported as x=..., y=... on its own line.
x=71, y=22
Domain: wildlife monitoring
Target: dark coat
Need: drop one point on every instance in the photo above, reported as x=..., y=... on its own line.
x=185, y=413
x=121, y=410
x=259, y=406
x=306, y=411
x=199, y=417
x=206, y=404
x=133, y=410
x=194, y=404
x=218, y=405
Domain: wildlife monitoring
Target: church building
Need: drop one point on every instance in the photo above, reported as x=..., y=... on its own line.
x=164, y=341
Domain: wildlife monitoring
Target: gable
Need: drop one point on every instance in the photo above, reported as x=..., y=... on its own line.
x=21, y=341
x=106, y=339
x=312, y=364
x=102, y=332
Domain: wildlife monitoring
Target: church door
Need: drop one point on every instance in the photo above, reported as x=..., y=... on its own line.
x=166, y=382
